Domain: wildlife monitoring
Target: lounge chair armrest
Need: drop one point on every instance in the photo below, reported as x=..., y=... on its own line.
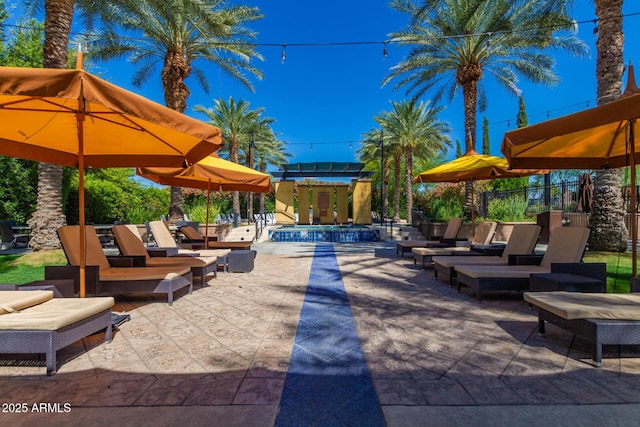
x=120, y=261
x=528, y=259
x=57, y=272
x=595, y=270
x=162, y=252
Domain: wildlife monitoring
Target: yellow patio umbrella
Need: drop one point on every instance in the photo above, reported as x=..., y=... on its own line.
x=473, y=167
x=598, y=138
x=210, y=173
x=72, y=118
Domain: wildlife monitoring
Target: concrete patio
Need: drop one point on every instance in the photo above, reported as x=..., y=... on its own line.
x=220, y=356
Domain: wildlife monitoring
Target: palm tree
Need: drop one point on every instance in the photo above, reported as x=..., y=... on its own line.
x=176, y=33
x=415, y=128
x=260, y=131
x=370, y=153
x=270, y=151
x=455, y=43
x=608, y=230
x=236, y=121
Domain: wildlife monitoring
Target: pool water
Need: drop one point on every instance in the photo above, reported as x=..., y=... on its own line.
x=324, y=233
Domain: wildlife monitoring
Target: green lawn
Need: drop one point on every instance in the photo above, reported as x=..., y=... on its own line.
x=26, y=268
x=618, y=269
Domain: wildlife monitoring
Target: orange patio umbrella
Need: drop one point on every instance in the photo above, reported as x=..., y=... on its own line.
x=210, y=173
x=598, y=138
x=72, y=118
x=473, y=167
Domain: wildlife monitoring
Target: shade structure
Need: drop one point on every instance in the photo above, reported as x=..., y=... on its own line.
x=210, y=173
x=72, y=118
x=473, y=167
x=598, y=138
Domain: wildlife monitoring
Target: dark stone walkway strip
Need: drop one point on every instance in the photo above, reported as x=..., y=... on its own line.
x=328, y=382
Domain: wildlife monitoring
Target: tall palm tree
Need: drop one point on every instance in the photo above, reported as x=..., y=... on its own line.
x=236, y=121
x=370, y=153
x=270, y=151
x=176, y=34
x=415, y=127
x=259, y=132
x=608, y=230
x=455, y=43
x=49, y=216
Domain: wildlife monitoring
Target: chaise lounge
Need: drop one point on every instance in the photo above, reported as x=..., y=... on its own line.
x=482, y=237
x=103, y=279
x=448, y=239
x=522, y=241
x=131, y=245
x=36, y=322
x=167, y=244
x=603, y=319
x=195, y=239
x=566, y=245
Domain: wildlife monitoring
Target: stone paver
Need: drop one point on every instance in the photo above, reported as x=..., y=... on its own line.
x=220, y=355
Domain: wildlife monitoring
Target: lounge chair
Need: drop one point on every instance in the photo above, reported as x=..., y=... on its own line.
x=522, y=241
x=448, y=239
x=36, y=322
x=482, y=237
x=566, y=245
x=197, y=240
x=10, y=240
x=604, y=319
x=130, y=245
x=167, y=245
x=103, y=279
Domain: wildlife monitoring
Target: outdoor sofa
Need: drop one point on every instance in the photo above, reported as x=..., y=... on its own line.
x=36, y=322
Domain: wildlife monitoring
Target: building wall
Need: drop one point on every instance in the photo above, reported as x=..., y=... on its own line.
x=284, y=203
x=303, y=205
x=342, y=204
x=362, y=202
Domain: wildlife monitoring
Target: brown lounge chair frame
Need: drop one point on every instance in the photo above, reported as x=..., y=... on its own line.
x=131, y=246
x=516, y=283
x=197, y=241
x=96, y=286
x=49, y=342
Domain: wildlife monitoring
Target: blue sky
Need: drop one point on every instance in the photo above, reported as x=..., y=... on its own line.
x=324, y=98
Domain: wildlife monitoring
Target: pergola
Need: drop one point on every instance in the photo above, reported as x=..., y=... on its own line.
x=323, y=194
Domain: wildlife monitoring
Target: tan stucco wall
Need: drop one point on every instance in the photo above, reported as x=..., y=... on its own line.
x=303, y=205
x=342, y=204
x=362, y=202
x=284, y=202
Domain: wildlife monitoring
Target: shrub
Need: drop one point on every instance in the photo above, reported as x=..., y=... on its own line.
x=510, y=209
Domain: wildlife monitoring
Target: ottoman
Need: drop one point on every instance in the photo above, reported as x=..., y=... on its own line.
x=240, y=261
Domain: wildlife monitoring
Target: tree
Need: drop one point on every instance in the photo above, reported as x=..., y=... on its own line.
x=270, y=151
x=236, y=121
x=177, y=33
x=486, y=146
x=455, y=43
x=459, y=152
x=608, y=230
x=370, y=153
x=522, y=120
x=415, y=127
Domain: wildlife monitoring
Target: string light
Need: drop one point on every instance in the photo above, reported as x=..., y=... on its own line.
x=384, y=51
x=595, y=27
x=284, y=53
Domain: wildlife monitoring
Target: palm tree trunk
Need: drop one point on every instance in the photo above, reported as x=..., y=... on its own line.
x=608, y=230
x=408, y=176
x=468, y=77
x=397, y=163
x=48, y=215
x=385, y=190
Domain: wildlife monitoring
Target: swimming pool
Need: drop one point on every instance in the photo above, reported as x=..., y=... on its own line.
x=324, y=233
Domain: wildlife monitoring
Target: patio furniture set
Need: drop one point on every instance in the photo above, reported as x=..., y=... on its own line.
x=565, y=291
x=44, y=316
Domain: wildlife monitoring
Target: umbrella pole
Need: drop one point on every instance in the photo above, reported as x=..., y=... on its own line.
x=473, y=222
x=81, y=216
x=206, y=221
x=634, y=224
